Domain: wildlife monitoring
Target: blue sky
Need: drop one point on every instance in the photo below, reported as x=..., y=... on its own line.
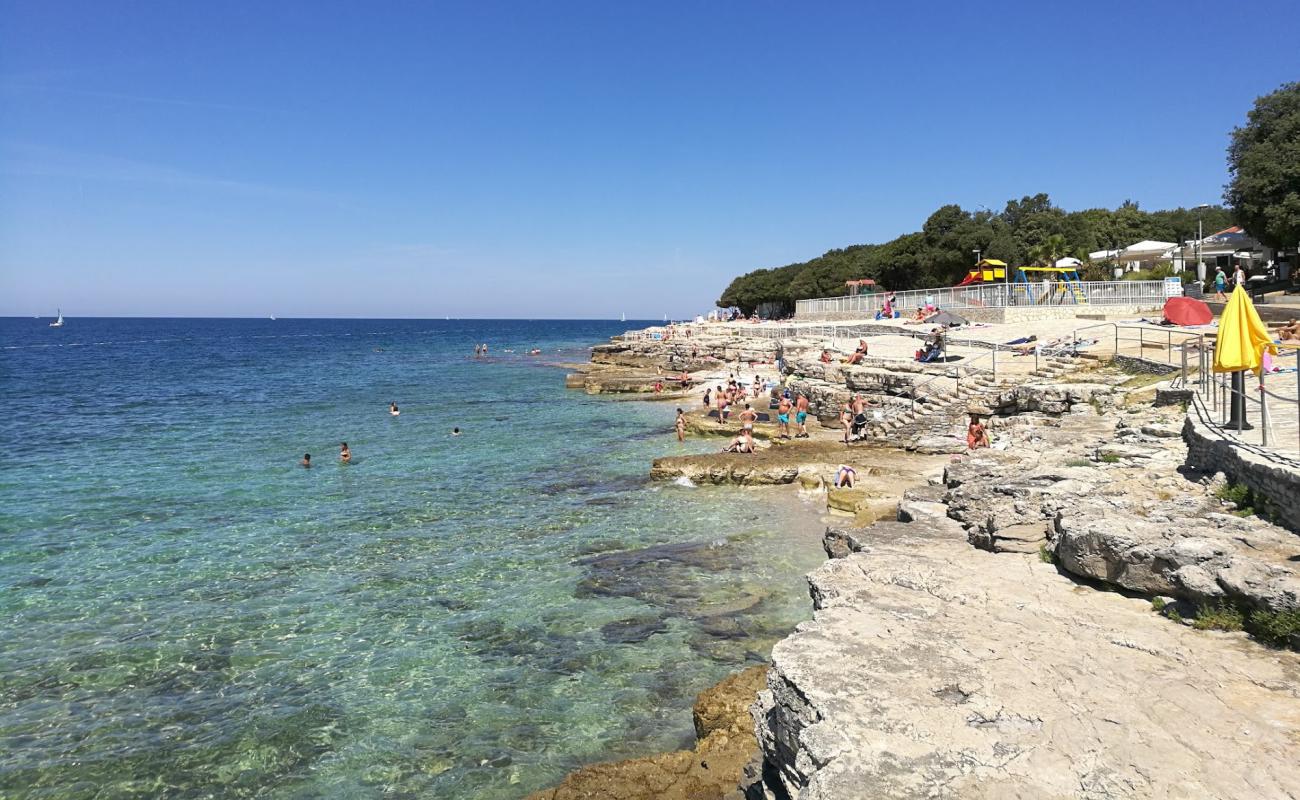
x=571, y=159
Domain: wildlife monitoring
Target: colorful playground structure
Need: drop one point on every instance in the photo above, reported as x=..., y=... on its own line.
x=990, y=270
x=1031, y=285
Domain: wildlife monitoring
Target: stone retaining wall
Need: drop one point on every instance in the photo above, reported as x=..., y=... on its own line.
x=1144, y=366
x=1276, y=479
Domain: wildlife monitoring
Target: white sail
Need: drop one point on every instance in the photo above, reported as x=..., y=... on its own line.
x=623, y=318
x=58, y=323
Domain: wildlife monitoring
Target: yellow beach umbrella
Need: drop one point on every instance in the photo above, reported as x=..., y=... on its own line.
x=1241, y=335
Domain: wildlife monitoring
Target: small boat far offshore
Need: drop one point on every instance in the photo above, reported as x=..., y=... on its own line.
x=58, y=323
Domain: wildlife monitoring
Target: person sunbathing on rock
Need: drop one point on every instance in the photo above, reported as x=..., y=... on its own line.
x=845, y=476
x=743, y=443
x=977, y=435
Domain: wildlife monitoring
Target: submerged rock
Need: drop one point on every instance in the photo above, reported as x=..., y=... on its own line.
x=724, y=745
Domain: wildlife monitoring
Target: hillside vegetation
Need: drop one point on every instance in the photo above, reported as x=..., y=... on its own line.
x=1028, y=231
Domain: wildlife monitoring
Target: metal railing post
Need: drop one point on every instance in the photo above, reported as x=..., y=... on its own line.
x=1241, y=418
x=1263, y=408
x=995, y=362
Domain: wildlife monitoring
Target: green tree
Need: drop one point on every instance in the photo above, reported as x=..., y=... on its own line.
x=1264, y=169
x=1053, y=247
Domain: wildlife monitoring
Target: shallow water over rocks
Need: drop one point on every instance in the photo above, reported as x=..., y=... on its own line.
x=192, y=614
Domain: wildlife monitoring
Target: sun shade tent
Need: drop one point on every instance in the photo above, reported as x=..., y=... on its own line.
x=1187, y=311
x=948, y=318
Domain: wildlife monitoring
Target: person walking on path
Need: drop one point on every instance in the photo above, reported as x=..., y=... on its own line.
x=801, y=414
x=1239, y=277
x=1220, y=284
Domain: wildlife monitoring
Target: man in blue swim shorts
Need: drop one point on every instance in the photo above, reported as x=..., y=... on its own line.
x=783, y=417
x=801, y=415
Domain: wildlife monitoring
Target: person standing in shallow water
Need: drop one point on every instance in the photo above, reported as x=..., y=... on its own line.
x=306, y=461
x=345, y=455
x=680, y=425
x=393, y=410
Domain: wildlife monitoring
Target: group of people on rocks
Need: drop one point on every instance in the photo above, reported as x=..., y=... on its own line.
x=730, y=396
x=853, y=417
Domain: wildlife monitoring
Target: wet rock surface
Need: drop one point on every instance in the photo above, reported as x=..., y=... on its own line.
x=724, y=744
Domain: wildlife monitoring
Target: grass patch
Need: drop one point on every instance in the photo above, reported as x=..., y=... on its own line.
x=1158, y=604
x=1222, y=616
x=1046, y=556
x=1277, y=628
x=1109, y=458
x=1233, y=493
x=1079, y=462
x=1246, y=501
x=1273, y=628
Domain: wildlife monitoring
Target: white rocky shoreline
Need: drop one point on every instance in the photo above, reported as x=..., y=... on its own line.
x=1009, y=628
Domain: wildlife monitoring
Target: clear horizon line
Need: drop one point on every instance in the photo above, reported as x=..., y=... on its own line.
x=443, y=318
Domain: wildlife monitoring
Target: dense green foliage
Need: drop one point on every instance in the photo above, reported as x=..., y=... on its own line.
x=1264, y=169
x=1028, y=231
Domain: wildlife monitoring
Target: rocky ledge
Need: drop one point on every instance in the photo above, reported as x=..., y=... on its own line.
x=935, y=670
x=811, y=463
x=1110, y=499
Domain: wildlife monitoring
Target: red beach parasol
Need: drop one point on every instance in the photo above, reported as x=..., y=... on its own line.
x=1187, y=311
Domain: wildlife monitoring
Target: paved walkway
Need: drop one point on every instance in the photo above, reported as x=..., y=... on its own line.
x=1283, y=429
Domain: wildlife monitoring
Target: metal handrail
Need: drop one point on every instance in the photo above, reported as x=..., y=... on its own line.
x=1221, y=392
x=1141, y=337
x=996, y=295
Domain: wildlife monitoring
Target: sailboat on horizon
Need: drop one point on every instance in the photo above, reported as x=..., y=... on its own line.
x=623, y=317
x=58, y=323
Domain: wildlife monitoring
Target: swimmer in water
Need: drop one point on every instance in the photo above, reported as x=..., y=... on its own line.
x=345, y=455
x=306, y=460
x=455, y=431
x=392, y=409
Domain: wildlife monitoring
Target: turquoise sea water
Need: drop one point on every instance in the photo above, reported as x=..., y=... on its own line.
x=188, y=613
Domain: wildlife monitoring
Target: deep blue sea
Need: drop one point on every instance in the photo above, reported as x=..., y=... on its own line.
x=188, y=613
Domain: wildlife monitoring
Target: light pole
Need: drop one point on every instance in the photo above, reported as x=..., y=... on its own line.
x=977, y=256
x=1200, y=234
